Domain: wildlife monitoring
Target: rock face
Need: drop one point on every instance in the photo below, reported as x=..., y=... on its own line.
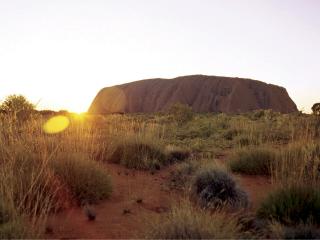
x=202, y=93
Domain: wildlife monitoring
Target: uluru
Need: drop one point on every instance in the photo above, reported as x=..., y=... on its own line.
x=202, y=93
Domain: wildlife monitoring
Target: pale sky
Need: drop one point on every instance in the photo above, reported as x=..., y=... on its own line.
x=60, y=53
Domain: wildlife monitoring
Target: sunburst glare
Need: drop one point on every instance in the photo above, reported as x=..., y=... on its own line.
x=56, y=124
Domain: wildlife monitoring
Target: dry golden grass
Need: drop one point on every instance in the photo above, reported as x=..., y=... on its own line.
x=30, y=181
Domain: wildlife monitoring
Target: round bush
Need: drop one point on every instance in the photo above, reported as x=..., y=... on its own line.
x=214, y=188
x=186, y=222
x=87, y=179
x=138, y=155
x=292, y=205
x=252, y=161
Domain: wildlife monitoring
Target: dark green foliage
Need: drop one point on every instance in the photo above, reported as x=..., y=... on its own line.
x=185, y=221
x=138, y=155
x=175, y=154
x=301, y=232
x=180, y=177
x=87, y=179
x=316, y=109
x=255, y=161
x=16, y=103
x=215, y=188
x=292, y=205
x=244, y=141
x=230, y=134
x=18, y=106
x=305, y=157
x=181, y=113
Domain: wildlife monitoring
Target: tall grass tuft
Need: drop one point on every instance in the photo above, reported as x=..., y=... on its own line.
x=297, y=163
x=185, y=221
x=253, y=161
x=292, y=205
x=87, y=179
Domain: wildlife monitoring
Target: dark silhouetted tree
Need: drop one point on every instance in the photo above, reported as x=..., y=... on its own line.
x=316, y=109
x=17, y=106
x=16, y=103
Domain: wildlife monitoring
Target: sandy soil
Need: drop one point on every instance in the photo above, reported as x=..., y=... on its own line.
x=129, y=186
x=111, y=219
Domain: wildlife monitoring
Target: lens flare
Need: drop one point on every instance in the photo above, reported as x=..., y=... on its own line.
x=56, y=124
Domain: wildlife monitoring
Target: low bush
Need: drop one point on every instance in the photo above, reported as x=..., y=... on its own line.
x=187, y=222
x=254, y=161
x=298, y=162
x=301, y=232
x=86, y=178
x=181, y=176
x=14, y=230
x=230, y=134
x=176, y=154
x=181, y=113
x=292, y=205
x=216, y=188
x=137, y=153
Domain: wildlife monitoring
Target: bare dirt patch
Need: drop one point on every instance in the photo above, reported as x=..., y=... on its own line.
x=137, y=195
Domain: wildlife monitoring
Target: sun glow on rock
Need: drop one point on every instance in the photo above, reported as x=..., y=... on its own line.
x=56, y=124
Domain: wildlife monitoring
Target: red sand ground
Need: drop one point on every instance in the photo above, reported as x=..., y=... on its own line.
x=130, y=185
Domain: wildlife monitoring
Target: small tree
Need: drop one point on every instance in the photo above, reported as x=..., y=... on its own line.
x=16, y=103
x=316, y=109
x=182, y=113
x=18, y=106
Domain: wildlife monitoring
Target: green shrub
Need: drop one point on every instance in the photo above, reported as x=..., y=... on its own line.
x=298, y=162
x=14, y=230
x=181, y=113
x=216, y=188
x=230, y=134
x=176, y=154
x=292, y=205
x=29, y=183
x=244, y=141
x=316, y=109
x=138, y=154
x=301, y=232
x=186, y=222
x=255, y=161
x=181, y=176
x=86, y=178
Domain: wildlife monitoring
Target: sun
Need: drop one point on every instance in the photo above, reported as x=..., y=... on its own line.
x=79, y=116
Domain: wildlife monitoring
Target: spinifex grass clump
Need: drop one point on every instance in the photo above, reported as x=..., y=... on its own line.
x=14, y=229
x=298, y=162
x=27, y=189
x=87, y=179
x=254, y=161
x=181, y=176
x=215, y=188
x=138, y=153
x=176, y=154
x=292, y=205
x=302, y=231
x=185, y=221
